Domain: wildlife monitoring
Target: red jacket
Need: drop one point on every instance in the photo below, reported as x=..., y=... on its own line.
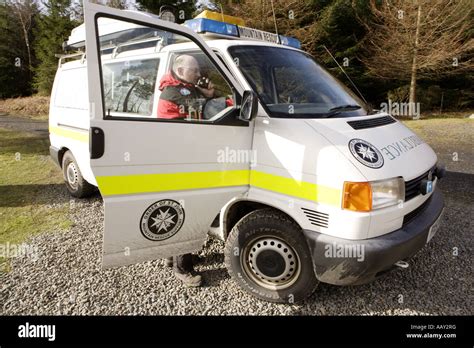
x=175, y=97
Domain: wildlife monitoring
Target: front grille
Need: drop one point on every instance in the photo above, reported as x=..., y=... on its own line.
x=372, y=122
x=316, y=218
x=412, y=187
x=413, y=214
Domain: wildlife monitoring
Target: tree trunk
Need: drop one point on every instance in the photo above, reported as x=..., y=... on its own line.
x=27, y=43
x=25, y=28
x=412, y=101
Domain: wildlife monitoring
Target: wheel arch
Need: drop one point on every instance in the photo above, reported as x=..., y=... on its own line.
x=61, y=153
x=239, y=208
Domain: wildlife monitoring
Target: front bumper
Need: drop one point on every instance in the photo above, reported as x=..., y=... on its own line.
x=349, y=262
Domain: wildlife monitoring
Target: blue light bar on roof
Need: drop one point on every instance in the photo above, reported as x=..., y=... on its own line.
x=290, y=41
x=204, y=25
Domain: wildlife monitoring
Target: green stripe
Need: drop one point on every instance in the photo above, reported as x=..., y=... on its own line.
x=67, y=133
x=296, y=188
x=147, y=183
x=144, y=183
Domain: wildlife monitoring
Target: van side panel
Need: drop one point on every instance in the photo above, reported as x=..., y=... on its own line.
x=69, y=115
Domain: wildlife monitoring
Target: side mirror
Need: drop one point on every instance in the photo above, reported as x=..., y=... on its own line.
x=249, y=107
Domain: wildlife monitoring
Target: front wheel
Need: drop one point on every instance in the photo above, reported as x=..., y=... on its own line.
x=267, y=255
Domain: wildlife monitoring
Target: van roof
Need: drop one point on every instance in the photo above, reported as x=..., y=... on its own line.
x=220, y=44
x=119, y=31
x=78, y=60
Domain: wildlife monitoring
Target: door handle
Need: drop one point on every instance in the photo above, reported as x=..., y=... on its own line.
x=96, y=143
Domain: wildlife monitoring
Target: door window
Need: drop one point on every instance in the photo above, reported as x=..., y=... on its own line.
x=207, y=98
x=191, y=90
x=129, y=87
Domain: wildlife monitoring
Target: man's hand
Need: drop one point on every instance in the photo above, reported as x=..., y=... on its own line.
x=207, y=92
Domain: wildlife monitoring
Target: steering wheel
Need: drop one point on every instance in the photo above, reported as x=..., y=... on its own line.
x=213, y=107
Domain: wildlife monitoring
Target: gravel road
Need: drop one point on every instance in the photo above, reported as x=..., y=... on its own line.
x=66, y=276
x=36, y=127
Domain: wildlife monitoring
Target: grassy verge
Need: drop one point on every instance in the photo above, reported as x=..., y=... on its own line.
x=447, y=114
x=438, y=116
x=34, y=107
x=28, y=179
x=445, y=131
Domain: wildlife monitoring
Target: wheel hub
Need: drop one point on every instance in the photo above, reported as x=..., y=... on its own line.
x=72, y=175
x=271, y=262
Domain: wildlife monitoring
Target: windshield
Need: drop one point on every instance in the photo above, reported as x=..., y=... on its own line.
x=291, y=84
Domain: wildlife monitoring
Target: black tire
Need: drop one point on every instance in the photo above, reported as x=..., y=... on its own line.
x=246, y=242
x=75, y=183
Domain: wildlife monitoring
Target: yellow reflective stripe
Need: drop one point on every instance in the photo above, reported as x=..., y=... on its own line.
x=143, y=183
x=296, y=188
x=76, y=135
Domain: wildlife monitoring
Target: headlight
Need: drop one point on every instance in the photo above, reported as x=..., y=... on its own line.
x=386, y=193
x=372, y=195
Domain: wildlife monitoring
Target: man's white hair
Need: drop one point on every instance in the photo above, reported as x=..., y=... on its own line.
x=183, y=61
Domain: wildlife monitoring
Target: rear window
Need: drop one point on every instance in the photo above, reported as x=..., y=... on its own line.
x=71, y=89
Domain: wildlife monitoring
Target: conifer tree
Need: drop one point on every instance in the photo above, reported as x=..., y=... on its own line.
x=54, y=27
x=184, y=10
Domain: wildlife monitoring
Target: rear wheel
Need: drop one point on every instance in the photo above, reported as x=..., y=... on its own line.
x=267, y=255
x=75, y=183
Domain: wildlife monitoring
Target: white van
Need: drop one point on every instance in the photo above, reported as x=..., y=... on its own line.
x=285, y=164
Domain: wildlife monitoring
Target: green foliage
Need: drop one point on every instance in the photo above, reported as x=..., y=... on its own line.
x=400, y=94
x=54, y=27
x=429, y=96
x=183, y=10
x=339, y=29
x=433, y=96
x=15, y=70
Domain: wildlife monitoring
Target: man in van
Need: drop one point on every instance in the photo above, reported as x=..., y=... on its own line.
x=179, y=93
x=182, y=90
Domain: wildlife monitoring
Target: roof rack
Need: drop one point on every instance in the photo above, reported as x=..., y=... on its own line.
x=63, y=57
x=160, y=43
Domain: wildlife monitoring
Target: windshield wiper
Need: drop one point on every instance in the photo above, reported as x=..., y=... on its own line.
x=342, y=108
